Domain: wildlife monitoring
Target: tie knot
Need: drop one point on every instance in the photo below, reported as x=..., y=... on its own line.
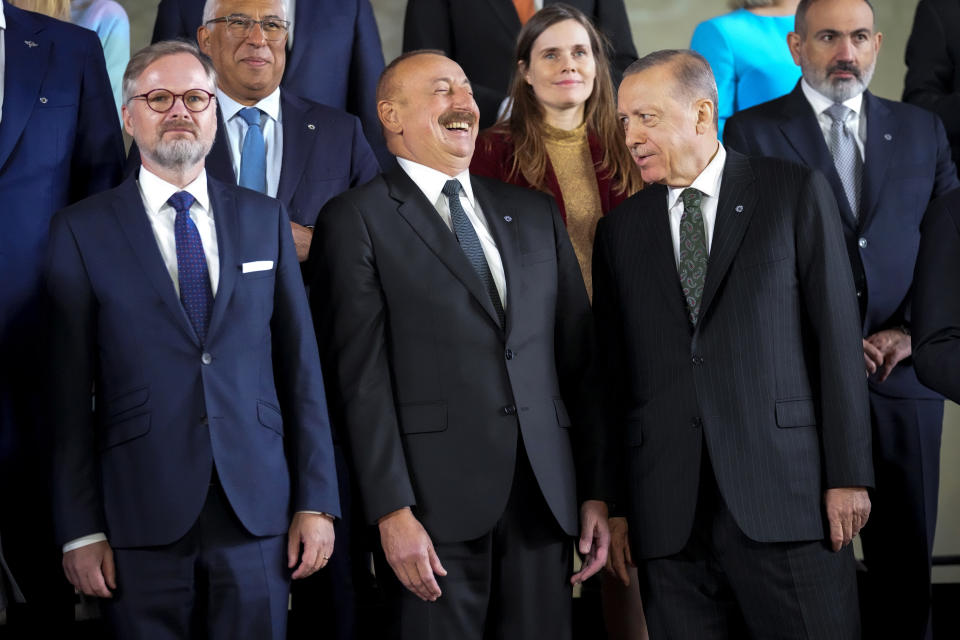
x=451, y=188
x=181, y=201
x=251, y=115
x=691, y=199
x=839, y=113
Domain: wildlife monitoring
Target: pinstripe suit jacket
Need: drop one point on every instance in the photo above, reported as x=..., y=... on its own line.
x=772, y=377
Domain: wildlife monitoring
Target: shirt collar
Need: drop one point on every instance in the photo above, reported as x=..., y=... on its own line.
x=230, y=107
x=156, y=191
x=821, y=103
x=708, y=182
x=431, y=181
x=3, y=20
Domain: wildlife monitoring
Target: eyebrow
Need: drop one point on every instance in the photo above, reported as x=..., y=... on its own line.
x=835, y=32
x=449, y=80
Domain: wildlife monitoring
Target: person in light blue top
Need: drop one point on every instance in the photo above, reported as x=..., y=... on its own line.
x=747, y=49
x=108, y=19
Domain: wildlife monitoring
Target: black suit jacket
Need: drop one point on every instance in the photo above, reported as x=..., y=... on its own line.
x=936, y=304
x=907, y=164
x=481, y=35
x=772, y=377
x=933, y=72
x=432, y=394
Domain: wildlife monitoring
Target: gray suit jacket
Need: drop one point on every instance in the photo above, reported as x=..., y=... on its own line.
x=772, y=377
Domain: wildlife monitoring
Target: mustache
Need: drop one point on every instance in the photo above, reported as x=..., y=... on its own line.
x=182, y=125
x=846, y=67
x=457, y=115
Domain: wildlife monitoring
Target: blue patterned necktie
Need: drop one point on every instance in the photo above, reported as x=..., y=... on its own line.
x=195, y=292
x=253, y=155
x=470, y=244
x=846, y=155
x=693, y=252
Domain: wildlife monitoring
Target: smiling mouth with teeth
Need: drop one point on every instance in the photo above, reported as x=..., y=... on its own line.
x=457, y=126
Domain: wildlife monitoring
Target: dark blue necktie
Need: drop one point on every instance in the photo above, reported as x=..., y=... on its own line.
x=253, y=155
x=470, y=244
x=195, y=292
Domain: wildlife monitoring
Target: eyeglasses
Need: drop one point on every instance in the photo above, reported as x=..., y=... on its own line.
x=239, y=26
x=161, y=100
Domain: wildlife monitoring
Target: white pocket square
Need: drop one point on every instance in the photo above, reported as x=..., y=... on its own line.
x=257, y=265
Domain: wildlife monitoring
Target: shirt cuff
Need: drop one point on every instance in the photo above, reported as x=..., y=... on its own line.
x=76, y=543
x=320, y=513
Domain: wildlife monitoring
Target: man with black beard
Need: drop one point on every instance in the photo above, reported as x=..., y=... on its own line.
x=885, y=161
x=202, y=480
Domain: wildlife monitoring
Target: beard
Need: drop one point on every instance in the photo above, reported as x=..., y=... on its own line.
x=839, y=89
x=181, y=152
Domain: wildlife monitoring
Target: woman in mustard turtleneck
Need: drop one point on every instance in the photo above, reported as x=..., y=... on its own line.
x=562, y=135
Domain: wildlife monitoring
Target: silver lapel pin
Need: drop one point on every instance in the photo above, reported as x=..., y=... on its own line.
x=508, y=218
x=30, y=43
x=738, y=208
x=311, y=126
x=43, y=100
x=887, y=137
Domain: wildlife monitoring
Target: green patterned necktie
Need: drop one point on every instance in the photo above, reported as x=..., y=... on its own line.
x=693, y=252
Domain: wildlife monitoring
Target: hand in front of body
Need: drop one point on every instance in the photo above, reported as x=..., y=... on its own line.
x=848, y=509
x=620, y=557
x=314, y=532
x=91, y=570
x=594, y=539
x=890, y=346
x=410, y=553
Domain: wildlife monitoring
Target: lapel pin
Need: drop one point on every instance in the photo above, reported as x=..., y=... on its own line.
x=30, y=43
x=43, y=100
x=738, y=208
x=887, y=137
x=311, y=126
x=508, y=218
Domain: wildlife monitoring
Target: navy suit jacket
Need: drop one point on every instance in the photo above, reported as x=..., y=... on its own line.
x=58, y=144
x=324, y=154
x=336, y=58
x=907, y=164
x=249, y=401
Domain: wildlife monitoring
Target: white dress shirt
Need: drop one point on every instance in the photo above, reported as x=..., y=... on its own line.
x=857, y=124
x=272, y=127
x=3, y=57
x=430, y=182
x=708, y=183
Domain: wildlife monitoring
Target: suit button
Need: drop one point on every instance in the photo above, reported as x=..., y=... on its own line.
x=509, y=354
x=696, y=423
x=859, y=293
x=204, y=421
x=509, y=410
x=206, y=358
x=696, y=360
x=862, y=242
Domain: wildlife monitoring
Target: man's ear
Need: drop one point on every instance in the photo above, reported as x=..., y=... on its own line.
x=203, y=40
x=389, y=116
x=705, y=113
x=793, y=42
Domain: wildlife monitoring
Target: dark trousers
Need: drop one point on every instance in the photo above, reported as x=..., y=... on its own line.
x=512, y=583
x=725, y=585
x=898, y=539
x=217, y=582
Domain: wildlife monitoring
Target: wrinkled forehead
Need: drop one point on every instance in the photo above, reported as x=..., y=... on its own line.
x=844, y=16
x=429, y=69
x=254, y=8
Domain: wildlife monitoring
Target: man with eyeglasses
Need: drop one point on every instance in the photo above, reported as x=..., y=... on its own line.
x=178, y=299
x=333, y=52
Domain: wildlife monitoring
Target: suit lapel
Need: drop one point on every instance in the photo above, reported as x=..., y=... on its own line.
x=652, y=205
x=802, y=131
x=298, y=140
x=506, y=235
x=223, y=202
x=218, y=162
x=27, y=53
x=735, y=207
x=426, y=222
x=132, y=219
x=882, y=130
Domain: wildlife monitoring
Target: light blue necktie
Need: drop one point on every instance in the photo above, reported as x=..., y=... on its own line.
x=253, y=155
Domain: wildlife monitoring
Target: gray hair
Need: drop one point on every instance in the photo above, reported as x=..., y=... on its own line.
x=150, y=54
x=800, y=19
x=692, y=76
x=210, y=10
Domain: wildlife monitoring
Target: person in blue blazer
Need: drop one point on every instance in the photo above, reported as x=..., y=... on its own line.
x=334, y=54
x=203, y=478
x=58, y=144
x=901, y=161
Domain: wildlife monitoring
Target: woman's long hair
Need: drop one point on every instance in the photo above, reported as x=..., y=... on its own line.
x=525, y=122
x=59, y=9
